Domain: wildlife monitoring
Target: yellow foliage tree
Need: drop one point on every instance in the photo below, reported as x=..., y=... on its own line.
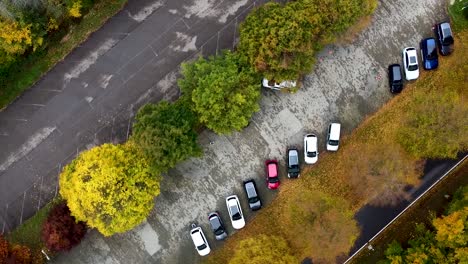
x=263, y=250
x=110, y=187
x=451, y=229
x=15, y=39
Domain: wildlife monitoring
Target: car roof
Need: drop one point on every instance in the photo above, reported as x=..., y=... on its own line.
x=335, y=131
x=293, y=156
x=272, y=169
x=197, y=236
x=430, y=43
x=311, y=140
x=250, y=188
x=396, y=71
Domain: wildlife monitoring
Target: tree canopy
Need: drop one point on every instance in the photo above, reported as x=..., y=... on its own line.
x=447, y=243
x=110, y=187
x=165, y=133
x=263, y=249
x=280, y=40
x=224, y=93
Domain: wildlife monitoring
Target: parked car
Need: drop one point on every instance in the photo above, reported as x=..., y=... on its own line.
x=410, y=63
x=444, y=37
x=252, y=195
x=235, y=212
x=293, y=163
x=429, y=54
x=310, y=149
x=395, y=78
x=217, y=225
x=272, y=178
x=278, y=86
x=333, y=137
x=199, y=240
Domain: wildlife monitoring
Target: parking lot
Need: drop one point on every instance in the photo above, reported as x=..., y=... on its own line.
x=348, y=83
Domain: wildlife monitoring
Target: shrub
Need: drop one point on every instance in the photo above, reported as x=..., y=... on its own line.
x=20, y=254
x=3, y=250
x=61, y=231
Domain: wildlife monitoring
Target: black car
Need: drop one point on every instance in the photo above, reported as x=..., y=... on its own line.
x=395, y=78
x=429, y=54
x=293, y=163
x=217, y=226
x=252, y=195
x=444, y=38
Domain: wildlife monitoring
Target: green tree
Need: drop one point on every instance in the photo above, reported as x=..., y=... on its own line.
x=111, y=187
x=165, y=132
x=263, y=249
x=223, y=92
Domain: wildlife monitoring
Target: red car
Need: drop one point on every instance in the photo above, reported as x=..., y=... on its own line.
x=272, y=178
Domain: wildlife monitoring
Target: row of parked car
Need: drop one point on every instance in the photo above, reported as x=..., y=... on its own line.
x=443, y=41
x=272, y=182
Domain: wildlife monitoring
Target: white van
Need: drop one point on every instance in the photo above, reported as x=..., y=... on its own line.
x=333, y=138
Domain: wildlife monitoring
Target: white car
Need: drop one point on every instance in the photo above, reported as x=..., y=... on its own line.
x=199, y=240
x=410, y=63
x=310, y=149
x=278, y=86
x=235, y=212
x=333, y=138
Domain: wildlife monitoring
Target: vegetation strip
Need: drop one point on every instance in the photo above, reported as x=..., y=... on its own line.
x=413, y=203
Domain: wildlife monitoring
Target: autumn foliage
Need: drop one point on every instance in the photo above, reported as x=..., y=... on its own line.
x=17, y=254
x=61, y=231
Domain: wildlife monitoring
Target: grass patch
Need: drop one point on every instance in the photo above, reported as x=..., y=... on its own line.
x=32, y=68
x=433, y=204
x=371, y=167
x=29, y=233
x=459, y=14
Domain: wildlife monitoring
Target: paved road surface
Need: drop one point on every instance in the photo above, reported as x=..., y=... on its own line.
x=91, y=97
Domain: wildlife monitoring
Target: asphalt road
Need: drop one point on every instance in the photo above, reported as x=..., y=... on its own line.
x=91, y=97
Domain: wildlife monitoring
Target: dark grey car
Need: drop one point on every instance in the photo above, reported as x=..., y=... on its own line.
x=293, y=163
x=252, y=195
x=217, y=226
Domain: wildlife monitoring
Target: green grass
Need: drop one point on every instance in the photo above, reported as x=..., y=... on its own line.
x=459, y=15
x=32, y=68
x=29, y=233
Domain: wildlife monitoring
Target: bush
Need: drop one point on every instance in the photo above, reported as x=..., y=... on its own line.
x=110, y=187
x=223, y=92
x=3, y=250
x=263, y=249
x=165, y=133
x=20, y=254
x=61, y=231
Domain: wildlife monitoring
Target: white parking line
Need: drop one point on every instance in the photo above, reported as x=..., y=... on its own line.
x=22, y=208
x=40, y=192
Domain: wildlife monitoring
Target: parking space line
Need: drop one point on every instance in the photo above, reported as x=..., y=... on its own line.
x=183, y=20
x=38, y=105
x=235, y=31
x=22, y=208
x=40, y=194
x=217, y=44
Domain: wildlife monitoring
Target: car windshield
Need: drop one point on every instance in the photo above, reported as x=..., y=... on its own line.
x=448, y=40
x=333, y=142
x=253, y=200
x=201, y=247
x=311, y=154
x=219, y=231
x=273, y=180
x=236, y=216
x=412, y=67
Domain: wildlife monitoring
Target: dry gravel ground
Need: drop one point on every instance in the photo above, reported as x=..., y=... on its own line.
x=348, y=83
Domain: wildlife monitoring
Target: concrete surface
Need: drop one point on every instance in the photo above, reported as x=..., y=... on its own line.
x=92, y=96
